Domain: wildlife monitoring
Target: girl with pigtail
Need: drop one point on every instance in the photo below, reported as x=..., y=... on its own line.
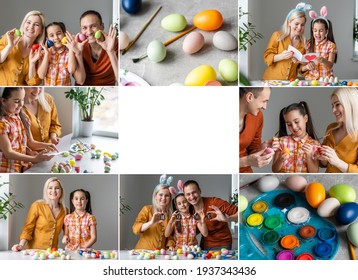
x=296, y=153
x=183, y=221
x=321, y=42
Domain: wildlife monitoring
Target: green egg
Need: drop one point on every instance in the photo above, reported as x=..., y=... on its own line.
x=18, y=32
x=98, y=34
x=156, y=51
x=344, y=193
x=228, y=69
x=174, y=22
x=243, y=203
x=352, y=233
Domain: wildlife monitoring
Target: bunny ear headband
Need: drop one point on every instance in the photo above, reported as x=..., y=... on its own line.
x=174, y=192
x=302, y=7
x=164, y=180
x=323, y=15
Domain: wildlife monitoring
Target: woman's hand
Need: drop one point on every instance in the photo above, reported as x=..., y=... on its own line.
x=41, y=157
x=156, y=218
x=12, y=39
x=286, y=54
x=329, y=154
x=54, y=138
x=16, y=248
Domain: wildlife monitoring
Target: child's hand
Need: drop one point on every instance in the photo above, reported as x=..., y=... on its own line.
x=12, y=39
x=41, y=157
x=202, y=216
x=65, y=239
x=308, y=149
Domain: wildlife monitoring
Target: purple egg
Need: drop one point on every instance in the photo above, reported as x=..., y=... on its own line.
x=347, y=213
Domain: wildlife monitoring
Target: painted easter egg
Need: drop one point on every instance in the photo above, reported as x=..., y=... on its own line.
x=296, y=183
x=228, y=69
x=344, y=193
x=131, y=6
x=35, y=47
x=347, y=213
x=123, y=40
x=243, y=203
x=224, y=41
x=64, y=40
x=98, y=34
x=174, y=22
x=156, y=51
x=82, y=37
x=208, y=20
x=352, y=233
x=18, y=32
x=200, y=75
x=49, y=43
x=193, y=42
x=267, y=183
x=328, y=207
x=315, y=194
x=268, y=151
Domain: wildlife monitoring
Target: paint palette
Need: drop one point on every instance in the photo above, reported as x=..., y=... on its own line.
x=281, y=225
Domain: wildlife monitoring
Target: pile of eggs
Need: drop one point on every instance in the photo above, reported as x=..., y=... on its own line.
x=49, y=254
x=332, y=81
x=107, y=158
x=95, y=254
x=62, y=167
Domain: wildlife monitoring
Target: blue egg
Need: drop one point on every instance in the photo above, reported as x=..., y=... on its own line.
x=131, y=6
x=49, y=43
x=347, y=213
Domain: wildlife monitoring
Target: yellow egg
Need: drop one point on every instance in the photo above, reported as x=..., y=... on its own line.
x=200, y=75
x=315, y=194
x=64, y=40
x=314, y=83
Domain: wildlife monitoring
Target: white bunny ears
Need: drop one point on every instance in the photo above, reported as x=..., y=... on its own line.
x=323, y=15
x=173, y=191
x=302, y=7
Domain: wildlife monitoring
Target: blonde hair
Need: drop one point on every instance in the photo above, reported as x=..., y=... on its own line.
x=41, y=37
x=156, y=207
x=45, y=196
x=285, y=28
x=348, y=97
x=41, y=99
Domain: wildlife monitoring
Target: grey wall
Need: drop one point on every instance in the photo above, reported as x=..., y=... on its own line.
x=104, y=196
x=67, y=11
x=268, y=16
x=318, y=100
x=137, y=191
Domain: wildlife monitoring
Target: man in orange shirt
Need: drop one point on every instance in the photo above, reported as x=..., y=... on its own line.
x=218, y=215
x=252, y=151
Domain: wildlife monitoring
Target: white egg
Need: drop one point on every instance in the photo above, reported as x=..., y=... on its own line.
x=328, y=207
x=156, y=51
x=123, y=40
x=268, y=183
x=296, y=183
x=224, y=41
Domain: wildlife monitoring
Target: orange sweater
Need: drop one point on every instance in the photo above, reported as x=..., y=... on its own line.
x=219, y=234
x=250, y=137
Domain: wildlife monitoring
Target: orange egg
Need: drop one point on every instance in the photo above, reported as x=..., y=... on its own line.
x=315, y=194
x=208, y=20
x=286, y=150
x=349, y=84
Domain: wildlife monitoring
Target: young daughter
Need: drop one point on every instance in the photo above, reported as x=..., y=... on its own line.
x=60, y=60
x=17, y=147
x=296, y=152
x=322, y=42
x=80, y=225
x=183, y=222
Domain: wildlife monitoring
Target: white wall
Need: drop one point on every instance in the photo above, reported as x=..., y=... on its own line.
x=104, y=196
x=268, y=16
x=137, y=191
x=4, y=224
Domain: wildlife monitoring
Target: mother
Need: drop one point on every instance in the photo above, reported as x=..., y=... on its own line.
x=152, y=220
x=280, y=61
x=339, y=152
x=44, y=221
x=18, y=61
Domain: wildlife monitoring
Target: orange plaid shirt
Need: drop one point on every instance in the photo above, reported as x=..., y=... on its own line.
x=188, y=235
x=297, y=161
x=57, y=72
x=12, y=126
x=79, y=229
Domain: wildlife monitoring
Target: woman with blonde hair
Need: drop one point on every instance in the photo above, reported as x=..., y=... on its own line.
x=339, y=151
x=281, y=65
x=18, y=58
x=152, y=220
x=44, y=221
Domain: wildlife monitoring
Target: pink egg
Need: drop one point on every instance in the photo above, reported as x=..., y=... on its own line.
x=193, y=42
x=82, y=37
x=269, y=150
x=78, y=156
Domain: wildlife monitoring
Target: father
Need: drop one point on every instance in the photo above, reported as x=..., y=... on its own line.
x=252, y=101
x=218, y=214
x=99, y=56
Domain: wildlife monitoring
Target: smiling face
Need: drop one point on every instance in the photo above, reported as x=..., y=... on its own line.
x=182, y=204
x=162, y=198
x=256, y=104
x=192, y=194
x=337, y=109
x=79, y=201
x=296, y=123
x=89, y=25
x=319, y=31
x=14, y=103
x=33, y=27
x=55, y=34
x=54, y=191
x=32, y=93
x=297, y=26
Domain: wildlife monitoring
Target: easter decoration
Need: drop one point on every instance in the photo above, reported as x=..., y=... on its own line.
x=131, y=6
x=17, y=32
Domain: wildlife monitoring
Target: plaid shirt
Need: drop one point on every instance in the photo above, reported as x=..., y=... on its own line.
x=12, y=126
x=57, y=72
x=324, y=48
x=297, y=161
x=188, y=235
x=79, y=229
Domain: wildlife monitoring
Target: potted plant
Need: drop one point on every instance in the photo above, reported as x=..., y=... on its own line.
x=87, y=99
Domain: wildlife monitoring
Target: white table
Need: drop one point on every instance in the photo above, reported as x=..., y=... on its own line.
x=125, y=255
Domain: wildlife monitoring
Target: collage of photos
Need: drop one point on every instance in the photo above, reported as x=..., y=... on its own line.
x=298, y=114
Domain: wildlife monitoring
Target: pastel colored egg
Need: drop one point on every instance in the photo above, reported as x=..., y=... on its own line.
x=296, y=183
x=352, y=233
x=98, y=34
x=225, y=41
x=193, y=42
x=228, y=69
x=64, y=40
x=200, y=75
x=174, y=22
x=347, y=213
x=315, y=194
x=208, y=20
x=267, y=183
x=18, y=32
x=66, y=154
x=344, y=193
x=156, y=51
x=131, y=6
x=268, y=150
x=78, y=156
x=213, y=84
x=82, y=37
x=328, y=207
x=243, y=203
x=314, y=83
x=35, y=47
x=123, y=40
